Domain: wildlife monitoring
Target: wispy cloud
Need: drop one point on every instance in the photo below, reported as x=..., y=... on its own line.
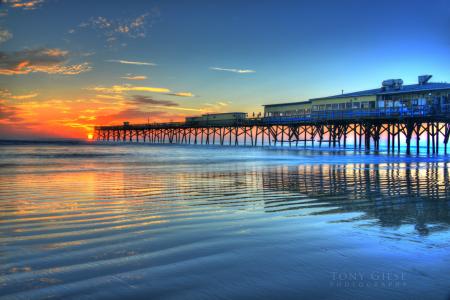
x=23, y=4
x=6, y=94
x=118, y=89
x=109, y=96
x=25, y=96
x=181, y=94
x=217, y=106
x=45, y=60
x=9, y=114
x=240, y=71
x=5, y=35
x=54, y=52
x=134, y=77
x=130, y=114
x=184, y=108
x=145, y=100
x=87, y=53
x=114, y=29
x=128, y=62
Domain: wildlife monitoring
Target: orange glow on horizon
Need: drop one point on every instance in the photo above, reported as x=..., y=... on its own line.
x=74, y=118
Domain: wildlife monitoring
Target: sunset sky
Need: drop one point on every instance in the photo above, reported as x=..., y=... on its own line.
x=66, y=65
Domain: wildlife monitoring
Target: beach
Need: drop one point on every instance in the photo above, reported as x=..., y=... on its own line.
x=103, y=221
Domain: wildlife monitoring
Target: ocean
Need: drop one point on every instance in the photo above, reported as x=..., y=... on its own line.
x=102, y=221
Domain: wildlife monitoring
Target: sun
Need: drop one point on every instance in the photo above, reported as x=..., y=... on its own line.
x=90, y=136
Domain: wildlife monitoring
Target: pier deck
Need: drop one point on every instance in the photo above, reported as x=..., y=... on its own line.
x=363, y=128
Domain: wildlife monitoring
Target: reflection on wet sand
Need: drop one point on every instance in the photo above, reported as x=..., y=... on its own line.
x=393, y=194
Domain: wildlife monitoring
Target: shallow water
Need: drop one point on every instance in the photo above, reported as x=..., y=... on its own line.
x=199, y=222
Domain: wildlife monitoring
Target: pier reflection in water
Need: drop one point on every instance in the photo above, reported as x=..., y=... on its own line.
x=201, y=223
x=392, y=194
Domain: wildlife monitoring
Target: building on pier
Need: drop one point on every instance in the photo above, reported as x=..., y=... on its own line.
x=221, y=118
x=423, y=97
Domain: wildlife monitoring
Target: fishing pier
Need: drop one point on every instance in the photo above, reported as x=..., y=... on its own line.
x=401, y=115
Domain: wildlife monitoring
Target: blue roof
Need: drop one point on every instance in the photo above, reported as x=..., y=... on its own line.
x=411, y=88
x=289, y=103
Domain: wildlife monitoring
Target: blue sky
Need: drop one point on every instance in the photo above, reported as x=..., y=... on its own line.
x=221, y=55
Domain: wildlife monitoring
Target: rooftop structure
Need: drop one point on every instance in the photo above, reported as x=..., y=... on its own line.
x=392, y=94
